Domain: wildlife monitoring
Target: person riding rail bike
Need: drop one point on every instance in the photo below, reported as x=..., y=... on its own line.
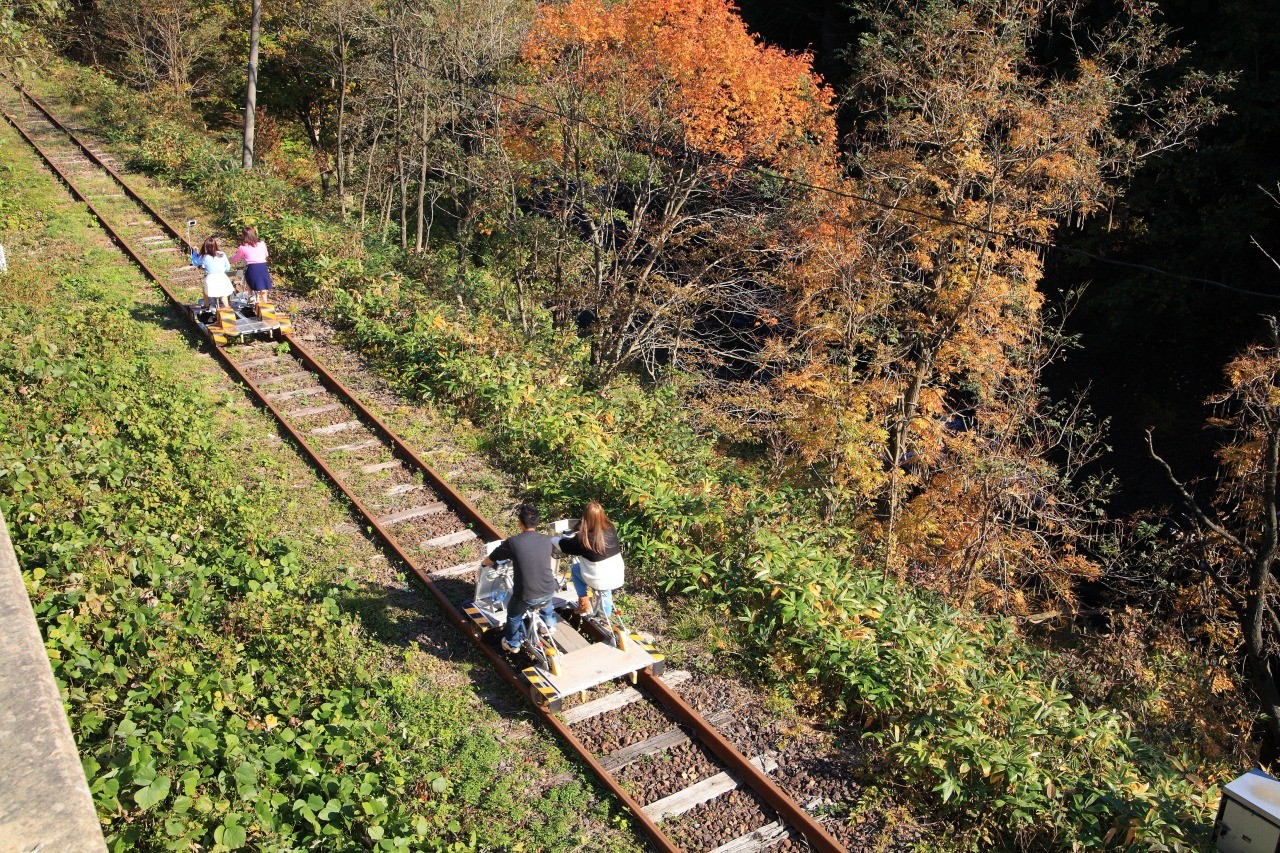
x=599, y=564
x=533, y=582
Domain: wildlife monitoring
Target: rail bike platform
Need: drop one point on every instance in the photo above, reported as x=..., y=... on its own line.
x=242, y=320
x=589, y=665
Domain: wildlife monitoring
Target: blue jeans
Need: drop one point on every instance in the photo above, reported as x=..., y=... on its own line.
x=513, y=632
x=580, y=586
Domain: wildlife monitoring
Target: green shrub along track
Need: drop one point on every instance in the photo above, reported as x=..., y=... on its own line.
x=410, y=508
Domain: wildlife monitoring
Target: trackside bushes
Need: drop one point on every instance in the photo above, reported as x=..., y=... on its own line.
x=957, y=703
x=954, y=700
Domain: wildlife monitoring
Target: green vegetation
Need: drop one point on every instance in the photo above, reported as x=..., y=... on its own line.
x=221, y=691
x=956, y=701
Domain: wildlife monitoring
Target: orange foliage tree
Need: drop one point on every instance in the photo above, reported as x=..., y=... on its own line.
x=919, y=323
x=652, y=110
x=1238, y=534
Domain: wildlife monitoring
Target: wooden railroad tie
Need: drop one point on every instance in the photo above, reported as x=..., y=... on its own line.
x=619, y=699
x=701, y=792
x=341, y=426
x=409, y=514
x=672, y=737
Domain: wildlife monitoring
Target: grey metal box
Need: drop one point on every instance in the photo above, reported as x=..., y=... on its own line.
x=1249, y=815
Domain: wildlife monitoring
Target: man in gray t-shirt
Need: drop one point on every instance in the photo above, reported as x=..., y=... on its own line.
x=533, y=582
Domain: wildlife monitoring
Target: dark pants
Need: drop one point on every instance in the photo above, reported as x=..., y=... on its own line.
x=517, y=607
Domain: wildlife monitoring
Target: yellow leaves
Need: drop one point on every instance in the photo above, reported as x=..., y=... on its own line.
x=1220, y=683
x=972, y=160
x=858, y=635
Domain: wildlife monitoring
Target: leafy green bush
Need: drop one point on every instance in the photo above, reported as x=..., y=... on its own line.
x=14, y=213
x=957, y=702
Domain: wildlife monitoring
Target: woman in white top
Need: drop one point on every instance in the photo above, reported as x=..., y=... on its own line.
x=217, y=284
x=599, y=564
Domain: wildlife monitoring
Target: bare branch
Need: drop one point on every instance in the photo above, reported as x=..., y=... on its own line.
x=1190, y=501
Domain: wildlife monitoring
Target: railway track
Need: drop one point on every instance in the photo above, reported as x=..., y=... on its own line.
x=435, y=531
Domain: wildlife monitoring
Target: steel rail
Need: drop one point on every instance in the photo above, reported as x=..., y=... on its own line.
x=461, y=504
x=788, y=809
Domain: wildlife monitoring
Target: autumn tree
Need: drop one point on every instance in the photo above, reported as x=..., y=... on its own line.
x=986, y=124
x=1237, y=534
x=162, y=43
x=649, y=120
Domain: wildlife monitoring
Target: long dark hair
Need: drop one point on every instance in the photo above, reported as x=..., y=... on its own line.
x=593, y=526
x=248, y=237
x=210, y=247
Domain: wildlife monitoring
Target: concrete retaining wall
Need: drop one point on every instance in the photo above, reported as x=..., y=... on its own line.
x=45, y=803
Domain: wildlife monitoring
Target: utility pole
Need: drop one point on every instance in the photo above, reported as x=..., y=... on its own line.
x=251, y=95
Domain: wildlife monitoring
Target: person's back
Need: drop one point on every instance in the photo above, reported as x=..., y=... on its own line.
x=599, y=565
x=217, y=285
x=576, y=546
x=533, y=583
x=253, y=252
x=530, y=554
x=214, y=264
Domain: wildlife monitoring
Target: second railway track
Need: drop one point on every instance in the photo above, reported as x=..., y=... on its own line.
x=435, y=531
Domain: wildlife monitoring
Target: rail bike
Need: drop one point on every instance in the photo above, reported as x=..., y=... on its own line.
x=577, y=653
x=245, y=319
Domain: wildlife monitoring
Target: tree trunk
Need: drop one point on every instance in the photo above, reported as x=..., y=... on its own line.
x=386, y=212
x=368, y=174
x=419, y=241
x=1255, y=619
x=251, y=91
x=897, y=449
x=402, y=179
x=342, y=126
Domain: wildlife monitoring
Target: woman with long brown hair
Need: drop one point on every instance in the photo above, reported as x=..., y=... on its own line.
x=253, y=251
x=217, y=284
x=599, y=564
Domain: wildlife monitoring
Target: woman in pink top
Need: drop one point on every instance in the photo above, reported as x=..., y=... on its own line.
x=254, y=253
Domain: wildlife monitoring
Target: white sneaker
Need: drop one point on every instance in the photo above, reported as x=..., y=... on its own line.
x=508, y=648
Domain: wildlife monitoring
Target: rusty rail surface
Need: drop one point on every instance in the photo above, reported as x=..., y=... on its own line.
x=758, y=781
